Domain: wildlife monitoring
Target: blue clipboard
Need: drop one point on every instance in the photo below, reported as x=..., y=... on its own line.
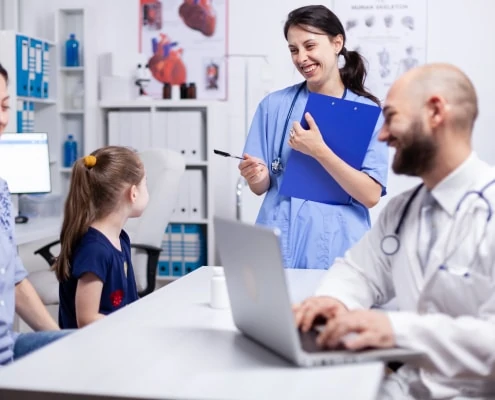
x=347, y=128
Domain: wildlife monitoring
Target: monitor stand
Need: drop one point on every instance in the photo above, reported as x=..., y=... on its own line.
x=19, y=218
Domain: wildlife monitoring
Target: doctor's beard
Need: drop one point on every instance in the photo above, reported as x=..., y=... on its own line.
x=416, y=151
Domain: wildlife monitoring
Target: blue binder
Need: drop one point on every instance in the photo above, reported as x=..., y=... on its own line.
x=22, y=56
x=347, y=128
x=32, y=68
x=38, y=68
x=46, y=70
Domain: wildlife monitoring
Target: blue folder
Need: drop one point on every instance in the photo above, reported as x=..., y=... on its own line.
x=347, y=128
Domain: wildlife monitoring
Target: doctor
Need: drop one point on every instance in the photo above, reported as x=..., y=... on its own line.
x=313, y=234
x=432, y=248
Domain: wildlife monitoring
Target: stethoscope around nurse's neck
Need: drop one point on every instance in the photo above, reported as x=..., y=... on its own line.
x=276, y=166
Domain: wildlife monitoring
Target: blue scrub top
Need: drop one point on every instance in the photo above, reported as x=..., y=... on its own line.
x=312, y=234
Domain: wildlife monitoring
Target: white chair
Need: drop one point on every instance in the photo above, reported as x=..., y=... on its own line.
x=164, y=170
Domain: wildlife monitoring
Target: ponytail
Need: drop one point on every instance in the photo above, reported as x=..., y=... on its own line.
x=353, y=74
x=98, y=185
x=78, y=216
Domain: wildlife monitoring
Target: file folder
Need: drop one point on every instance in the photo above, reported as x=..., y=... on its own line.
x=46, y=70
x=38, y=68
x=32, y=68
x=20, y=109
x=347, y=128
x=22, y=50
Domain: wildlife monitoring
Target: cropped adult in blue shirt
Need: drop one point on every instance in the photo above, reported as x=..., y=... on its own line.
x=313, y=234
x=16, y=292
x=94, y=265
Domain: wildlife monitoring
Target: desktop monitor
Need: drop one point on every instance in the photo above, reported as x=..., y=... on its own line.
x=25, y=162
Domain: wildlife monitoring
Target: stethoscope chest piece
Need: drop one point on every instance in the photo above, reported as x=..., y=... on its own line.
x=277, y=166
x=390, y=244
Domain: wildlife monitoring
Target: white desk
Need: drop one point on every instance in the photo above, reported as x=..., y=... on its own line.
x=171, y=344
x=37, y=229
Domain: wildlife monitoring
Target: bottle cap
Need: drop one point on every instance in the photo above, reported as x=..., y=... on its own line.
x=72, y=35
x=71, y=136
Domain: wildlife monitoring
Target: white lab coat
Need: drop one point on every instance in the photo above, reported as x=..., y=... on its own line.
x=449, y=317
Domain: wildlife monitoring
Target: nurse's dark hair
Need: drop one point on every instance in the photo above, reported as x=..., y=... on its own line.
x=353, y=74
x=98, y=184
x=4, y=74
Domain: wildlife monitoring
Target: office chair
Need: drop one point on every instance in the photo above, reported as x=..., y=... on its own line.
x=164, y=171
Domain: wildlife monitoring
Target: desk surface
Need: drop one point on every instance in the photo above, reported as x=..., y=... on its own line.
x=37, y=229
x=171, y=344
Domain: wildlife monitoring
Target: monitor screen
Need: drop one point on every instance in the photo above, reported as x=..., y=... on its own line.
x=25, y=162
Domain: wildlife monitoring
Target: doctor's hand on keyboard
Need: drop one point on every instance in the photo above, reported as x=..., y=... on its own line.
x=317, y=311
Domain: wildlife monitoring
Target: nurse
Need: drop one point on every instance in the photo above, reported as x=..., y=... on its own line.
x=313, y=234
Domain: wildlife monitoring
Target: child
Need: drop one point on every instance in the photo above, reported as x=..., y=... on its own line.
x=94, y=266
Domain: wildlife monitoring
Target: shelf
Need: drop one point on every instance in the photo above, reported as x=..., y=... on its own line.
x=36, y=100
x=197, y=164
x=72, y=112
x=185, y=103
x=71, y=69
x=189, y=221
x=165, y=278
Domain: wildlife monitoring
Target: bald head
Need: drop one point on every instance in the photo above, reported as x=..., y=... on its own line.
x=447, y=82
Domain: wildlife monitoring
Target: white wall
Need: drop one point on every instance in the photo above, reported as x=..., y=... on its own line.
x=459, y=32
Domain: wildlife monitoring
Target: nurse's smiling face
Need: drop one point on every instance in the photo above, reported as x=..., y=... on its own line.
x=314, y=54
x=406, y=130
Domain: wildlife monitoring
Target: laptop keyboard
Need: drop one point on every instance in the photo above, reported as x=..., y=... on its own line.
x=308, y=342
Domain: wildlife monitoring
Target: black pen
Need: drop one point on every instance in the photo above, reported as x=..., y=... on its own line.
x=225, y=154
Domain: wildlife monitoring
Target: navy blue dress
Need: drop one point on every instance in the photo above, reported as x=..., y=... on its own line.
x=97, y=255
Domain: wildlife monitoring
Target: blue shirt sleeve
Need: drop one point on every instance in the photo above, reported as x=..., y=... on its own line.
x=257, y=140
x=375, y=162
x=7, y=227
x=91, y=257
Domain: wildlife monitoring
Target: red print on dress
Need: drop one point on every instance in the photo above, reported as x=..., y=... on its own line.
x=116, y=297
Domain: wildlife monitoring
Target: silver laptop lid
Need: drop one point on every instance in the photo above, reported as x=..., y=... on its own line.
x=256, y=284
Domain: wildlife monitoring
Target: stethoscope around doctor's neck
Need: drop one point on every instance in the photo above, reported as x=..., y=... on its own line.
x=277, y=166
x=390, y=244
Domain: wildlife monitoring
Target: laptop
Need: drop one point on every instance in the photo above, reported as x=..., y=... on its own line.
x=260, y=302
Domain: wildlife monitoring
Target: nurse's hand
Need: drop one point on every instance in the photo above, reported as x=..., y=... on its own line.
x=358, y=329
x=313, y=309
x=307, y=141
x=253, y=169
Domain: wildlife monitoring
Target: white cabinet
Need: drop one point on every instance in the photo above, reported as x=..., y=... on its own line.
x=71, y=84
x=184, y=126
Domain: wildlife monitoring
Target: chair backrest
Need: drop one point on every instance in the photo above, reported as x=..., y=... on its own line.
x=164, y=171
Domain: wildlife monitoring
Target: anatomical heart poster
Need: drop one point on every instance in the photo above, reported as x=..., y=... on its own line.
x=185, y=41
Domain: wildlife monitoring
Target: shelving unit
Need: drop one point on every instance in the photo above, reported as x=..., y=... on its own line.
x=32, y=90
x=184, y=126
x=72, y=85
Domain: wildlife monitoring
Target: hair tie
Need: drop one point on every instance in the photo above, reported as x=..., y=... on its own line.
x=344, y=52
x=90, y=161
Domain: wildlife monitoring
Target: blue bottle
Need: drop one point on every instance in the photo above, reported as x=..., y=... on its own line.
x=70, y=151
x=72, y=51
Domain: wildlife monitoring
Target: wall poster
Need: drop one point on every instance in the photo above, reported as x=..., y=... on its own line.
x=390, y=34
x=185, y=41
